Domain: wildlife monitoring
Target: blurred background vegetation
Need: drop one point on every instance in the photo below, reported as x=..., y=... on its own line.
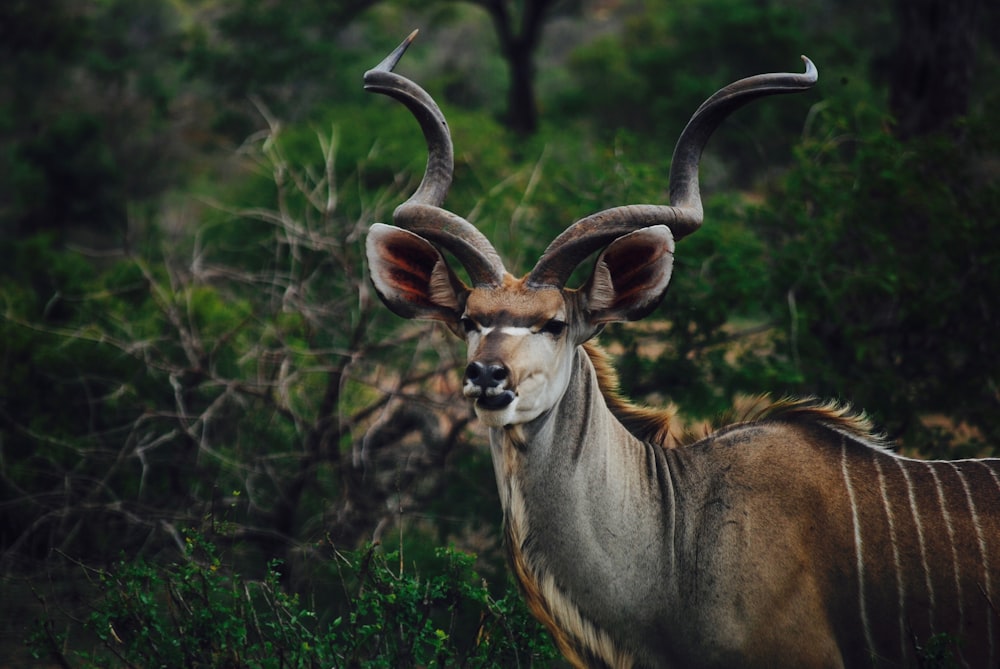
x=196, y=382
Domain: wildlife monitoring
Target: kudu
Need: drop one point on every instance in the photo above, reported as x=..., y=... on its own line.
x=793, y=538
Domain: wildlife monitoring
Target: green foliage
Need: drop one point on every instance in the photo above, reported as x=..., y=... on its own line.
x=290, y=59
x=671, y=57
x=237, y=346
x=939, y=652
x=67, y=177
x=884, y=251
x=236, y=360
x=79, y=73
x=199, y=613
x=447, y=617
x=713, y=340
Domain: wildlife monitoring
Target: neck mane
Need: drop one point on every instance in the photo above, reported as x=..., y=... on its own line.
x=662, y=426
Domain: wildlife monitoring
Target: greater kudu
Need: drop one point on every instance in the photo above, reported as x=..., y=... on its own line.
x=794, y=538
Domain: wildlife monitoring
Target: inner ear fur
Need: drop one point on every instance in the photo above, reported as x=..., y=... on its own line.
x=411, y=276
x=630, y=276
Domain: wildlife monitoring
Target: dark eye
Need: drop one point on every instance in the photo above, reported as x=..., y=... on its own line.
x=554, y=327
x=468, y=325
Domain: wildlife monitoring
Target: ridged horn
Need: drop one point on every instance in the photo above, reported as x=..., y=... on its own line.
x=684, y=213
x=422, y=213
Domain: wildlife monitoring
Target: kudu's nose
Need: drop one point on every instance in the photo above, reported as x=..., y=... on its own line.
x=490, y=381
x=486, y=375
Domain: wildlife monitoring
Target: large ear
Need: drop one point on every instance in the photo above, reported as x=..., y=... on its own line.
x=411, y=277
x=630, y=276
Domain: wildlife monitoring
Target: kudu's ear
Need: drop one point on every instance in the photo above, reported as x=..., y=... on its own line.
x=630, y=276
x=412, y=277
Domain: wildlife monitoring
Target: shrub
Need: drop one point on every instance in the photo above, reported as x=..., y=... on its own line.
x=199, y=613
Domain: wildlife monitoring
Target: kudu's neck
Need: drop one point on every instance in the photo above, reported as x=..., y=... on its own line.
x=581, y=451
x=588, y=512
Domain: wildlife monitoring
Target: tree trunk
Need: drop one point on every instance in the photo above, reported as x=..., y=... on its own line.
x=522, y=110
x=518, y=47
x=933, y=64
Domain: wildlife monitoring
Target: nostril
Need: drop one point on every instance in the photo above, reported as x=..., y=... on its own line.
x=473, y=371
x=498, y=372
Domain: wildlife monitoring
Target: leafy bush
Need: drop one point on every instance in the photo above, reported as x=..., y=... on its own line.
x=246, y=356
x=198, y=613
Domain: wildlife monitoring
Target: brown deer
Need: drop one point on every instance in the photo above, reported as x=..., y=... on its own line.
x=794, y=538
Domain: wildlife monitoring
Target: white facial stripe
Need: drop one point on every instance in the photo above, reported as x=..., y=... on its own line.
x=516, y=331
x=512, y=331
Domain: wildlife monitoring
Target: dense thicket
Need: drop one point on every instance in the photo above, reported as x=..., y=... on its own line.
x=189, y=343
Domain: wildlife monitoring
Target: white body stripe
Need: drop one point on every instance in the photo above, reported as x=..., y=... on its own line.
x=994, y=474
x=920, y=537
x=983, y=557
x=858, y=549
x=950, y=529
x=897, y=566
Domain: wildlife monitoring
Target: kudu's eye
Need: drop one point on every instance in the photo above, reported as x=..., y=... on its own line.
x=554, y=327
x=468, y=325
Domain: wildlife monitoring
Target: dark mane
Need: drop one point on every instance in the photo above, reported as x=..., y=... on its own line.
x=652, y=424
x=662, y=426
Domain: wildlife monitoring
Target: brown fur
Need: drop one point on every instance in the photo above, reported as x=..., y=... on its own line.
x=514, y=303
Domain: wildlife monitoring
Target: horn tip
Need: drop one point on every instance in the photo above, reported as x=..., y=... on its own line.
x=390, y=61
x=811, y=71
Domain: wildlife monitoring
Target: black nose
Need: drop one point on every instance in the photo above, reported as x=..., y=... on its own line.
x=491, y=380
x=486, y=375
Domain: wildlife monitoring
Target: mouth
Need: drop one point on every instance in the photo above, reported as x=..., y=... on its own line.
x=495, y=402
